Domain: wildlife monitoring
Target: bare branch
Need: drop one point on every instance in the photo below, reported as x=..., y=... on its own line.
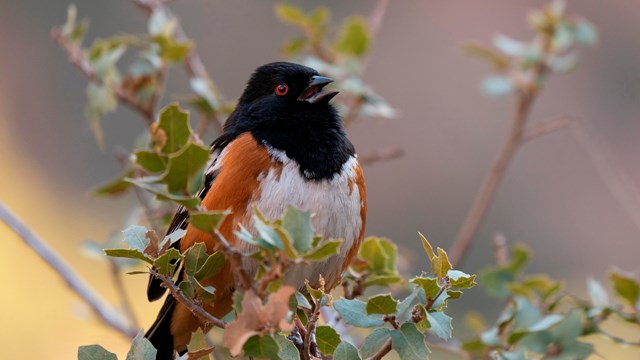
x=101, y=308
x=548, y=127
x=500, y=249
x=78, y=58
x=195, y=309
x=125, y=304
x=236, y=263
x=378, y=155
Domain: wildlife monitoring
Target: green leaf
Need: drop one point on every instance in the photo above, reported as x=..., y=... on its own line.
x=509, y=46
x=380, y=255
x=100, y=101
x=597, y=293
x=288, y=350
x=327, y=339
x=161, y=192
x=585, y=32
x=405, y=305
x=183, y=167
x=136, y=237
x=294, y=46
x=150, y=161
x=166, y=264
x=346, y=351
x=354, y=37
x=328, y=248
x=297, y=224
x=497, y=85
x=440, y=324
x=626, y=287
x=195, y=258
x=95, y=352
x=128, y=253
x=427, y=246
x=187, y=289
x=261, y=347
x=461, y=280
x=566, y=333
x=374, y=341
x=383, y=304
x=114, y=187
x=175, y=124
x=171, y=50
x=211, y=266
x=382, y=280
x=409, y=343
x=302, y=301
x=198, y=343
x=161, y=23
x=205, y=294
x=141, y=349
x=176, y=235
x=500, y=61
x=290, y=14
x=354, y=312
x=429, y=284
x=207, y=221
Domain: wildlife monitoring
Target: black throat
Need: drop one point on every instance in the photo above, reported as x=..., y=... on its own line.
x=320, y=152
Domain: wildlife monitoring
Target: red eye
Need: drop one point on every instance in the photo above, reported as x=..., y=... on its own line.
x=282, y=89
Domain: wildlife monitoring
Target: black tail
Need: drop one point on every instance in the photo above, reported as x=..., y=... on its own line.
x=160, y=333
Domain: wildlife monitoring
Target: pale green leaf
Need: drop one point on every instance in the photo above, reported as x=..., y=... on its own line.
x=440, y=324
x=327, y=339
x=374, y=341
x=354, y=312
x=95, y=352
x=409, y=343
x=141, y=349
x=346, y=351
x=383, y=304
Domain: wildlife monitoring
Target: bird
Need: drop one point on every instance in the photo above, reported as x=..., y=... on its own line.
x=283, y=145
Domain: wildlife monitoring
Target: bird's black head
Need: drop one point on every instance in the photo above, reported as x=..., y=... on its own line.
x=283, y=94
x=284, y=107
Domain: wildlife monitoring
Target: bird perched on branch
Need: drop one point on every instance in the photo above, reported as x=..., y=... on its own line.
x=283, y=145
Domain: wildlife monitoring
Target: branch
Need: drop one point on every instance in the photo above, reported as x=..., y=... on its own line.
x=548, y=127
x=101, y=308
x=195, y=309
x=377, y=155
x=193, y=64
x=125, y=304
x=236, y=263
x=78, y=58
x=500, y=250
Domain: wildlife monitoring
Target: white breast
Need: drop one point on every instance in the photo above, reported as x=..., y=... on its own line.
x=335, y=206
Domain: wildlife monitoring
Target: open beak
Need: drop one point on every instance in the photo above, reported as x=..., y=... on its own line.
x=313, y=93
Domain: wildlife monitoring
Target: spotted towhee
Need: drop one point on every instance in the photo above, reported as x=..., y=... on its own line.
x=283, y=145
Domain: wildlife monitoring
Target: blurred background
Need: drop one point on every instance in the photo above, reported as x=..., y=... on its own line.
x=554, y=198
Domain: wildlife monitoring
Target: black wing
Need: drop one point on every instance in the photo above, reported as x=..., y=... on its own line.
x=181, y=218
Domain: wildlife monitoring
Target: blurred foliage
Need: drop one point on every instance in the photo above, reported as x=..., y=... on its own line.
x=380, y=309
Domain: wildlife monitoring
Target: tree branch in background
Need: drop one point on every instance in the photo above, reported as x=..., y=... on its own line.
x=125, y=304
x=193, y=65
x=100, y=307
x=78, y=58
x=380, y=155
x=548, y=127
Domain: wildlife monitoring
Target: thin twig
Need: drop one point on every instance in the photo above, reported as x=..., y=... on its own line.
x=500, y=250
x=193, y=64
x=613, y=175
x=377, y=155
x=196, y=309
x=384, y=350
x=236, y=263
x=102, y=309
x=78, y=58
x=310, y=348
x=125, y=304
x=548, y=127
